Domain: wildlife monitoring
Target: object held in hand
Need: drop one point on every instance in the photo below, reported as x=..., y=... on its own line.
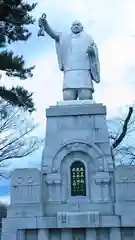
x=41, y=23
x=43, y=19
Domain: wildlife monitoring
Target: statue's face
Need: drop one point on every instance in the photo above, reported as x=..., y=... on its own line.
x=76, y=27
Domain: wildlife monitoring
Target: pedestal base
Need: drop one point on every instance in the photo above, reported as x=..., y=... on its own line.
x=75, y=102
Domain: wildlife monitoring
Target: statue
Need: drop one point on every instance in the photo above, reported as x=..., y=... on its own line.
x=77, y=56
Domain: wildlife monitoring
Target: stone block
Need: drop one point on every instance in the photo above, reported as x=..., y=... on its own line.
x=101, y=136
x=101, y=207
x=74, y=110
x=100, y=122
x=25, y=176
x=25, y=186
x=125, y=208
x=127, y=221
x=25, y=210
x=46, y=222
x=110, y=221
x=120, y=191
x=12, y=224
x=77, y=219
x=50, y=209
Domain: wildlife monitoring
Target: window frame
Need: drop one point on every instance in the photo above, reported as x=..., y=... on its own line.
x=82, y=165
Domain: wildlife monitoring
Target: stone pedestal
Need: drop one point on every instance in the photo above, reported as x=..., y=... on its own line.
x=69, y=126
x=77, y=194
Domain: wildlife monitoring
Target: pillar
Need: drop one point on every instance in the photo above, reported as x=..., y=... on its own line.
x=43, y=234
x=91, y=234
x=66, y=234
x=115, y=234
x=20, y=234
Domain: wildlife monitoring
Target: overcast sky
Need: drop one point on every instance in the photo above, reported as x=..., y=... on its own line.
x=111, y=24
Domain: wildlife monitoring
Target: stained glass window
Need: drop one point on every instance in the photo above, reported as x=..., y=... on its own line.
x=78, y=184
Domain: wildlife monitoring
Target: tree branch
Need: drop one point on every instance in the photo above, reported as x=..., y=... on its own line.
x=124, y=129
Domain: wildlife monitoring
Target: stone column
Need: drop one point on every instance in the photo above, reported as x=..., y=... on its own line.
x=57, y=186
x=43, y=234
x=106, y=192
x=115, y=234
x=134, y=232
x=91, y=234
x=66, y=234
x=50, y=189
x=20, y=234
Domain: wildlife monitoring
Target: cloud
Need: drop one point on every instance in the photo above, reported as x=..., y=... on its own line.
x=5, y=199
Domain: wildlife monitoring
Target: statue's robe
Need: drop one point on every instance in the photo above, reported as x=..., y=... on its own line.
x=79, y=67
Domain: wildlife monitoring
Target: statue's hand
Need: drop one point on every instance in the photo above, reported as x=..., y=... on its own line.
x=90, y=50
x=42, y=20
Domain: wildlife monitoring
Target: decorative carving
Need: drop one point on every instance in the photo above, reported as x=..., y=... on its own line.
x=53, y=178
x=73, y=147
x=19, y=180
x=125, y=179
x=101, y=168
x=54, y=170
x=90, y=149
x=110, y=166
x=94, y=218
x=88, y=219
x=49, y=181
x=57, y=181
x=61, y=219
x=30, y=180
x=46, y=169
x=20, y=234
x=102, y=178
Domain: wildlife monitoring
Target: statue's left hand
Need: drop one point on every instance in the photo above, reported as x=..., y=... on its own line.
x=90, y=50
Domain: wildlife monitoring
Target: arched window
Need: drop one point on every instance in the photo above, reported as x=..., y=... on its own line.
x=78, y=183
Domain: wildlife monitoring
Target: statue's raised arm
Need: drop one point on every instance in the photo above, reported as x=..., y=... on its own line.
x=44, y=27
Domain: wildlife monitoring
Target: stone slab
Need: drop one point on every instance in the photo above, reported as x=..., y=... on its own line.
x=74, y=110
x=69, y=220
x=75, y=102
x=125, y=208
x=127, y=221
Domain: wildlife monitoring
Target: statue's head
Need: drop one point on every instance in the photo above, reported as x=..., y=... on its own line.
x=76, y=27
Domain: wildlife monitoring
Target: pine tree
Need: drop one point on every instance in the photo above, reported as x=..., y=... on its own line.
x=14, y=21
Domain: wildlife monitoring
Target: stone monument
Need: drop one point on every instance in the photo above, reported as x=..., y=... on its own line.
x=77, y=56
x=78, y=194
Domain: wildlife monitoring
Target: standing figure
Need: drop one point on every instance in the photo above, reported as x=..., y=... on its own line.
x=78, y=59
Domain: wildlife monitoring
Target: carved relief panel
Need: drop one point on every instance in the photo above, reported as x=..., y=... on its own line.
x=101, y=186
x=53, y=181
x=26, y=186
